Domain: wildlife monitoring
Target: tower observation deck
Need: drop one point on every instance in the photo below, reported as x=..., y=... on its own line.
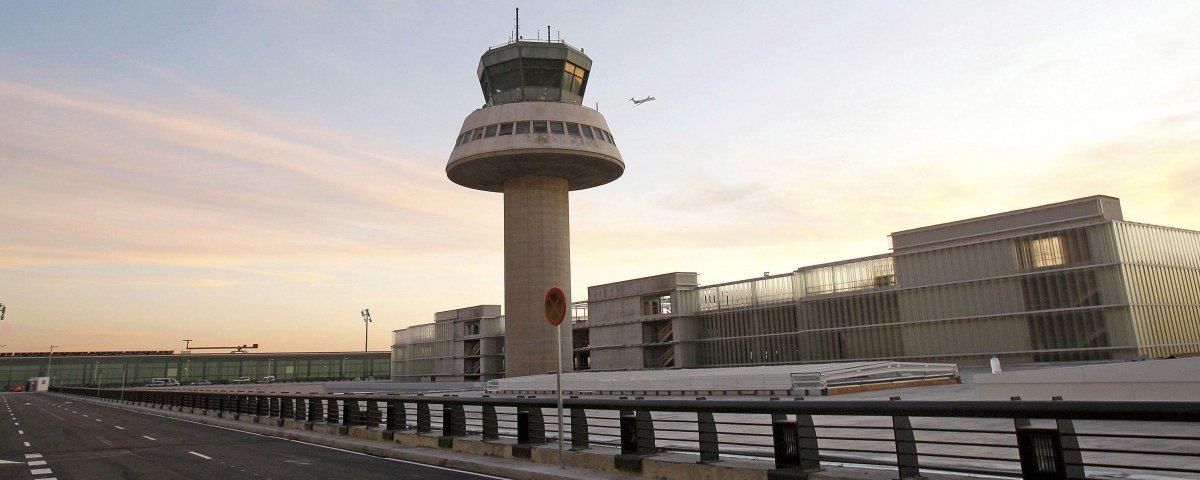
x=534, y=141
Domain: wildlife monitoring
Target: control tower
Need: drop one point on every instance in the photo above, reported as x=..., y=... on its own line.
x=534, y=141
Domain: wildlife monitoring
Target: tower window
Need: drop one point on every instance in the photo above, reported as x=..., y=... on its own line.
x=573, y=129
x=539, y=127
x=477, y=134
x=506, y=128
x=587, y=132
x=522, y=127
x=491, y=131
x=466, y=137
x=573, y=78
x=557, y=127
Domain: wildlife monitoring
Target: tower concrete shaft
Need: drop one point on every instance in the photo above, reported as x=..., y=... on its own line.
x=534, y=141
x=537, y=256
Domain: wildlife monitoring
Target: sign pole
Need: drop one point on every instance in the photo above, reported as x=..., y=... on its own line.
x=556, y=309
x=558, y=381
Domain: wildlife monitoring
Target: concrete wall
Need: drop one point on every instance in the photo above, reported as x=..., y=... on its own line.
x=1150, y=380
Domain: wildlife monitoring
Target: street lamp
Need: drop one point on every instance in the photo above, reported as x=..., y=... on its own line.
x=49, y=359
x=366, y=314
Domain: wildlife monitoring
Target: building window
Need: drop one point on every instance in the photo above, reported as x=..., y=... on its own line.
x=491, y=131
x=477, y=134
x=656, y=305
x=557, y=127
x=522, y=127
x=587, y=132
x=1047, y=252
x=539, y=127
x=610, y=138
x=573, y=129
x=506, y=128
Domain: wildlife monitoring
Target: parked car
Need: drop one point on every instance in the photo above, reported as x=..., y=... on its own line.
x=166, y=382
x=267, y=379
x=241, y=380
x=156, y=383
x=201, y=382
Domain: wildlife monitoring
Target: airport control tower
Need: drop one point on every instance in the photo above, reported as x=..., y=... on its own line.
x=534, y=141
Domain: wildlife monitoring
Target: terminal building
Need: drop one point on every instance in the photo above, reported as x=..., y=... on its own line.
x=1070, y=281
x=137, y=368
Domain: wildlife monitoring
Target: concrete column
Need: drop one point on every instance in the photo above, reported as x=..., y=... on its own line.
x=537, y=256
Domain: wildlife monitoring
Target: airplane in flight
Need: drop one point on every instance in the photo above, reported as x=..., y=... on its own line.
x=639, y=102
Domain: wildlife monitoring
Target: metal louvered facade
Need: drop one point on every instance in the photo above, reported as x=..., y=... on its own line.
x=1070, y=281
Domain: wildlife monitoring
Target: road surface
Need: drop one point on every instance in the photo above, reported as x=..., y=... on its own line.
x=46, y=436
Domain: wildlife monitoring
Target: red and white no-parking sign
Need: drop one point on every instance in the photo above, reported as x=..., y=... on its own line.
x=556, y=306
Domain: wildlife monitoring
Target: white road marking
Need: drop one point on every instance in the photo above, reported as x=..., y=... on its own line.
x=40, y=471
x=149, y=438
x=20, y=432
x=26, y=444
x=35, y=463
x=119, y=428
x=6, y=462
x=201, y=455
x=99, y=420
x=33, y=455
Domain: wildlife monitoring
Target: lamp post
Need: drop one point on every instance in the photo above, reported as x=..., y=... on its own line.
x=49, y=359
x=366, y=315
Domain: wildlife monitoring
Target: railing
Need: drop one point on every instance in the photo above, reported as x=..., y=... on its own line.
x=1029, y=439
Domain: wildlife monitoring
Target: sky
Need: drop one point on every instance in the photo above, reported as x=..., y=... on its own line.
x=259, y=172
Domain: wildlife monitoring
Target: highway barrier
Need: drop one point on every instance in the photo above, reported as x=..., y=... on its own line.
x=1018, y=439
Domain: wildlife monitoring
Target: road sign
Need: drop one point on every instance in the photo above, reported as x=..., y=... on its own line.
x=556, y=306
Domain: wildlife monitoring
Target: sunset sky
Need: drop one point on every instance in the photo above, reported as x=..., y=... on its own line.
x=261, y=171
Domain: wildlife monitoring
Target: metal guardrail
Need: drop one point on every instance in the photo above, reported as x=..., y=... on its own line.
x=1020, y=439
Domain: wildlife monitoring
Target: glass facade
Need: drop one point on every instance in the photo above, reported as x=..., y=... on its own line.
x=533, y=79
x=137, y=370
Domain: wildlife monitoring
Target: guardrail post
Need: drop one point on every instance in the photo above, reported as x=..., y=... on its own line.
x=396, y=416
x=629, y=436
x=491, y=425
x=458, y=424
x=522, y=425
x=810, y=452
x=373, y=416
x=423, y=421
x=314, y=410
x=1040, y=451
x=537, y=426
x=331, y=410
x=710, y=447
x=350, y=412
x=285, y=408
x=1072, y=457
x=264, y=406
x=907, y=461
x=447, y=421
x=579, y=429
x=645, y=433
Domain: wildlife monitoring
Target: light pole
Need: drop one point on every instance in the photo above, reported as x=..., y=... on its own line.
x=49, y=359
x=187, y=345
x=366, y=314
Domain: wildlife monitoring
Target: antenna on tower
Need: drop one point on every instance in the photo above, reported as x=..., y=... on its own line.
x=517, y=28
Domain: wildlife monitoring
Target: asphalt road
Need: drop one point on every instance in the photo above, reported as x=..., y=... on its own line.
x=45, y=436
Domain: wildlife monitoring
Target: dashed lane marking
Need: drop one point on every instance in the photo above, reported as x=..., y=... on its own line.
x=201, y=455
x=36, y=463
x=26, y=444
x=20, y=432
x=149, y=438
x=33, y=455
x=118, y=428
x=41, y=471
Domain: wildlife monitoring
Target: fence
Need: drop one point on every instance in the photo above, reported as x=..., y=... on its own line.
x=1019, y=439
